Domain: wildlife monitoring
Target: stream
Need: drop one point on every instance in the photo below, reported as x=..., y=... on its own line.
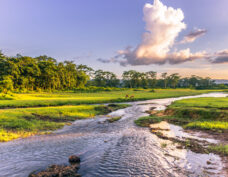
x=119, y=149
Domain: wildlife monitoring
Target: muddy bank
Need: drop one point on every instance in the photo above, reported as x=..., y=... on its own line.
x=174, y=136
x=163, y=131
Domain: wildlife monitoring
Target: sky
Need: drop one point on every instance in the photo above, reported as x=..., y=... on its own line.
x=188, y=37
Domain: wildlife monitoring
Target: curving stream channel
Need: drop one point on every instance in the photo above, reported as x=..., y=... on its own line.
x=119, y=149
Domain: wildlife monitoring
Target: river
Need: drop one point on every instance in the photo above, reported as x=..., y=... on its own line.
x=119, y=149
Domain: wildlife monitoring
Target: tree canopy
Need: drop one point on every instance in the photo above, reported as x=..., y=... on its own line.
x=45, y=73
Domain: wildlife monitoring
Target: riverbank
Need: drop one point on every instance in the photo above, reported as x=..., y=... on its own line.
x=207, y=115
x=24, y=122
x=23, y=115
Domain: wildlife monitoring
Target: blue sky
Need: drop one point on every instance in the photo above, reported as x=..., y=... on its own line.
x=84, y=30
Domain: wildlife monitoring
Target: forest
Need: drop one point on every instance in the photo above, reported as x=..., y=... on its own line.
x=23, y=73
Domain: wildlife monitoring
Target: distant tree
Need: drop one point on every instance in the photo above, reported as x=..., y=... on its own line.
x=174, y=79
x=86, y=69
x=105, y=79
x=127, y=79
x=165, y=79
x=152, y=78
x=45, y=73
x=144, y=80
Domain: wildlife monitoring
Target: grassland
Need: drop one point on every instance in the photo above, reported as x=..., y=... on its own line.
x=23, y=115
x=196, y=113
x=70, y=98
x=23, y=122
x=191, y=117
x=205, y=114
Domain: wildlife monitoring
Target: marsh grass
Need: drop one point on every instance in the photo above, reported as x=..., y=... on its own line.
x=198, y=113
x=113, y=119
x=206, y=125
x=71, y=98
x=210, y=102
x=203, y=113
x=221, y=149
x=147, y=120
x=23, y=122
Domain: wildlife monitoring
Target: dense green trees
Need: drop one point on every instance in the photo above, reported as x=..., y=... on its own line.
x=45, y=73
x=134, y=79
x=105, y=79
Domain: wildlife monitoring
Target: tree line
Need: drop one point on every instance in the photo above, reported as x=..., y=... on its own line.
x=45, y=73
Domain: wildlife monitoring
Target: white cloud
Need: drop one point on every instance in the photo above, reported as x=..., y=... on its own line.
x=163, y=25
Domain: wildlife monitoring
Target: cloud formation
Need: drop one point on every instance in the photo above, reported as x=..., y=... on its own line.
x=220, y=57
x=193, y=35
x=163, y=25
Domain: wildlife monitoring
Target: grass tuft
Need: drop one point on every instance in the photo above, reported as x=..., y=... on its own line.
x=221, y=149
x=113, y=119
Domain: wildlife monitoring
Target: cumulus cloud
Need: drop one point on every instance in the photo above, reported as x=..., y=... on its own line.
x=193, y=35
x=163, y=25
x=220, y=57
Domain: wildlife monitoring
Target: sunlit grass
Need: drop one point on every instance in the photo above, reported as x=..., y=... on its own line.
x=70, y=98
x=202, y=113
x=221, y=149
x=9, y=135
x=206, y=125
x=22, y=122
x=202, y=103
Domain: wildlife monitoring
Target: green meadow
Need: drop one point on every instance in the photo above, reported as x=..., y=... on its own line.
x=204, y=114
x=26, y=114
x=197, y=113
x=71, y=98
x=23, y=122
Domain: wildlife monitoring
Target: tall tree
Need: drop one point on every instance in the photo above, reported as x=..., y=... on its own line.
x=152, y=78
x=174, y=79
x=165, y=79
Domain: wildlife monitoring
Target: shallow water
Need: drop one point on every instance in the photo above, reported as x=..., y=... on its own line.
x=109, y=149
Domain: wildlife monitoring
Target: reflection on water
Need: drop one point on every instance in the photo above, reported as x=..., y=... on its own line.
x=117, y=149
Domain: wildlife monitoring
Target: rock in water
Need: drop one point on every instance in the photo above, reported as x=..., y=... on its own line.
x=61, y=170
x=74, y=159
